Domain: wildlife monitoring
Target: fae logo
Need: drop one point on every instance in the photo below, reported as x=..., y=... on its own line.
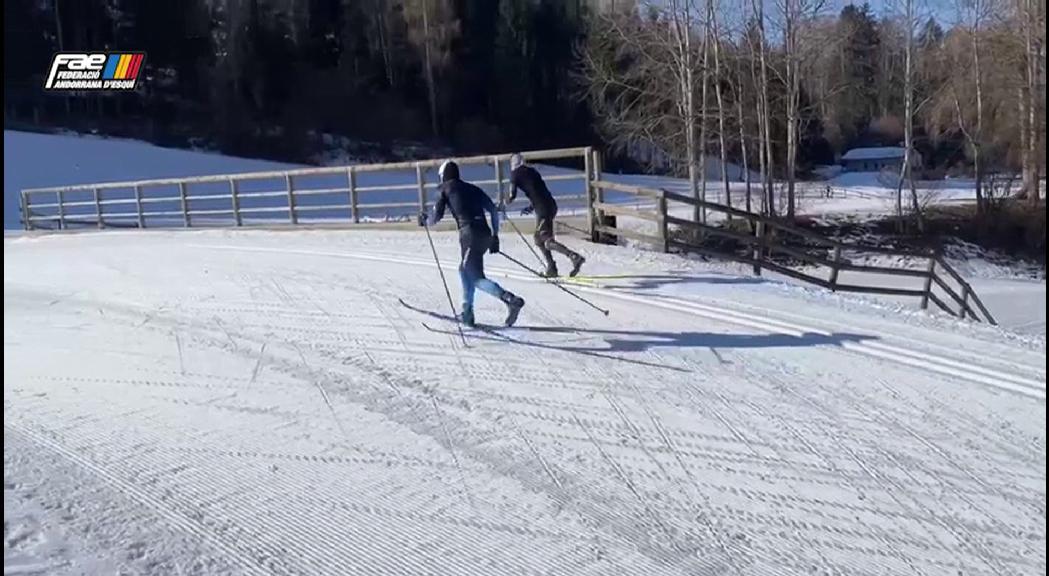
x=95, y=71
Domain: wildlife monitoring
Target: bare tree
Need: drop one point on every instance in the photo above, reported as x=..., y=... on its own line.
x=722, y=147
x=432, y=28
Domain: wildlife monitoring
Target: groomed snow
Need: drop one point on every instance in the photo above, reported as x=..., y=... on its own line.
x=258, y=402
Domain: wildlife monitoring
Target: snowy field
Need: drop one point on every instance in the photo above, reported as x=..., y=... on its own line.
x=44, y=160
x=259, y=402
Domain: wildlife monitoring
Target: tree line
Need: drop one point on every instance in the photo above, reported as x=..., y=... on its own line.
x=775, y=86
x=781, y=86
x=269, y=77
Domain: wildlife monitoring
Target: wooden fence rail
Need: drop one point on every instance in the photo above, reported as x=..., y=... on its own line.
x=770, y=237
x=285, y=195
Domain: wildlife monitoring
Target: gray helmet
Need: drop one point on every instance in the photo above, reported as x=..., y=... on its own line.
x=449, y=170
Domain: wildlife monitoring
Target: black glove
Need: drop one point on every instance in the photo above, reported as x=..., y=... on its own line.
x=422, y=219
x=527, y=211
x=493, y=248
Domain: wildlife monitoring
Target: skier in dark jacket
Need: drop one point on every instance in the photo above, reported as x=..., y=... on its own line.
x=468, y=204
x=524, y=177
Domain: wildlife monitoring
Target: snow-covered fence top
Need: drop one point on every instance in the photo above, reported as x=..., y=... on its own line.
x=360, y=193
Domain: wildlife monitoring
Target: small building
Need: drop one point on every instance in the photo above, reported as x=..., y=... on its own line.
x=878, y=159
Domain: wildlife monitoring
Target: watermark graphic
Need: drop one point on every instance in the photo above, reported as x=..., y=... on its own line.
x=97, y=71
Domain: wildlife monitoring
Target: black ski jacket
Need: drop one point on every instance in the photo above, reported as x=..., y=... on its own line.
x=528, y=179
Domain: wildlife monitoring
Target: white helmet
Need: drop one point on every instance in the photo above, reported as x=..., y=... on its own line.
x=516, y=161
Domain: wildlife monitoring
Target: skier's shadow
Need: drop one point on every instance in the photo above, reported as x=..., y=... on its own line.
x=644, y=282
x=643, y=340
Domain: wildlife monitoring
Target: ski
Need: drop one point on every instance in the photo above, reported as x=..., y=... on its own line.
x=447, y=318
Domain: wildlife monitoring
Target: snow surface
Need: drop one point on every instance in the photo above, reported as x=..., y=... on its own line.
x=258, y=402
x=874, y=153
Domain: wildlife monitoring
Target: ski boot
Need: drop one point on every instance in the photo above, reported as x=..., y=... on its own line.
x=468, y=317
x=513, y=305
x=551, y=271
x=577, y=263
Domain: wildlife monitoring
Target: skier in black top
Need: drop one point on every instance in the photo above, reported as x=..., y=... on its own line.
x=469, y=204
x=528, y=179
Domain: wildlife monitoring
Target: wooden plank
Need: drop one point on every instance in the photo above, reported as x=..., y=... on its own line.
x=351, y=177
x=880, y=290
x=183, y=203
x=835, y=266
x=301, y=208
x=884, y=270
x=626, y=211
x=290, y=186
x=389, y=187
x=235, y=202
x=743, y=259
x=963, y=305
x=633, y=234
x=664, y=231
x=958, y=278
x=498, y=180
x=62, y=211
x=930, y=273
x=713, y=230
x=601, y=185
x=318, y=191
x=138, y=207
x=588, y=184
x=936, y=300
x=98, y=208
x=422, y=189
x=316, y=171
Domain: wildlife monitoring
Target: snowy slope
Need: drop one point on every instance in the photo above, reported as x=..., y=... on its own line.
x=260, y=403
x=42, y=160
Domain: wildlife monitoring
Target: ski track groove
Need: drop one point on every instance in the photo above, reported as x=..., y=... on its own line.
x=142, y=455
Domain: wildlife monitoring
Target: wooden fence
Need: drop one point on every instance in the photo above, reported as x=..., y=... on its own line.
x=769, y=241
x=308, y=195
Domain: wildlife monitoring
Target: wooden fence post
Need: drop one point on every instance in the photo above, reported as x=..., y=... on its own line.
x=184, y=203
x=498, y=180
x=26, y=222
x=61, y=210
x=663, y=231
x=235, y=201
x=759, y=247
x=351, y=175
x=422, y=188
x=98, y=208
x=834, y=269
x=930, y=273
x=138, y=206
x=292, y=217
x=588, y=186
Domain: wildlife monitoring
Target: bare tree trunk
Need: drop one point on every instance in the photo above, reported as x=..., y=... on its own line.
x=721, y=104
x=384, y=44
x=791, y=17
x=1032, y=170
x=61, y=48
x=704, y=79
x=742, y=122
x=908, y=114
x=977, y=140
x=769, y=197
x=431, y=88
x=686, y=101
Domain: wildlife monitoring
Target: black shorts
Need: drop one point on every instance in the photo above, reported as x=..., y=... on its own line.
x=544, y=226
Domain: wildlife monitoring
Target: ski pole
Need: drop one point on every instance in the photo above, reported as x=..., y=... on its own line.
x=447, y=292
x=566, y=290
x=522, y=236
